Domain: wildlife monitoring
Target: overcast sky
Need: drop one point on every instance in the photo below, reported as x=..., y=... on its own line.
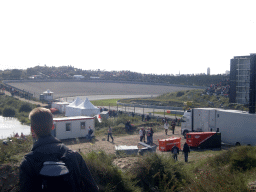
x=159, y=37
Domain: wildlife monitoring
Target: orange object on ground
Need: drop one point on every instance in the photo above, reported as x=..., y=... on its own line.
x=167, y=144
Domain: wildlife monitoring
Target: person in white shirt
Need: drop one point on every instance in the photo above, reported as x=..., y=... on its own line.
x=141, y=134
x=166, y=127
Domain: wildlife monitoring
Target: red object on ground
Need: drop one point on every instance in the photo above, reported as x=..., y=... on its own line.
x=196, y=138
x=167, y=144
x=53, y=110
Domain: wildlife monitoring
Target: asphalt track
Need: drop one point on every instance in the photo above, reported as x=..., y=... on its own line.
x=96, y=90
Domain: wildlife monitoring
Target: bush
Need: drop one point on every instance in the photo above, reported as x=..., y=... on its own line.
x=9, y=112
x=180, y=93
x=26, y=107
x=107, y=176
x=243, y=158
x=158, y=173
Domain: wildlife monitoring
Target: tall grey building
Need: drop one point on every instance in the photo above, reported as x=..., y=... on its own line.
x=208, y=71
x=242, y=80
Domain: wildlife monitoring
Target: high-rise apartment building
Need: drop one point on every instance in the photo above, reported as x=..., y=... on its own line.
x=208, y=71
x=242, y=80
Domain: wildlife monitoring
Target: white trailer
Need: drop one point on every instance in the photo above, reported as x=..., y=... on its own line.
x=236, y=127
x=72, y=127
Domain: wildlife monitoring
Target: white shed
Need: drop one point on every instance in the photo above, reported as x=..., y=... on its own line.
x=48, y=95
x=72, y=127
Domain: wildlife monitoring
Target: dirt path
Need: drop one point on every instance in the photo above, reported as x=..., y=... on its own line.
x=101, y=143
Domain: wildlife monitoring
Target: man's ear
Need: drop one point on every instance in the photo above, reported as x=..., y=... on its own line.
x=53, y=126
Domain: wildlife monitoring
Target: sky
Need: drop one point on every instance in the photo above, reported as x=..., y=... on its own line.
x=144, y=36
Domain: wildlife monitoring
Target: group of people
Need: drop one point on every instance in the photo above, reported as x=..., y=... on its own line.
x=175, y=151
x=22, y=136
x=149, y=132
x=48, y=150
x=166, y=126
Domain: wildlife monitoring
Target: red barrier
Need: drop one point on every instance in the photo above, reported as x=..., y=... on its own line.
x=167, y=144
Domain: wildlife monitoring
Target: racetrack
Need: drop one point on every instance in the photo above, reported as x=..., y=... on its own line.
x=72, y=89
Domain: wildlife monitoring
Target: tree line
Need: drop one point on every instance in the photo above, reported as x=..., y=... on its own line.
x=68, y=72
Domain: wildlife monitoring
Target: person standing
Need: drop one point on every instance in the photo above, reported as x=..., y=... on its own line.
x=141, y=134
x=175, y=152
x=110, y=134
x=90, y=131
x=49, y=148
x=151, y=137
x=148, y=136
x=186, y=150
x=166, y=126
x=173, y=126
x=144, y=135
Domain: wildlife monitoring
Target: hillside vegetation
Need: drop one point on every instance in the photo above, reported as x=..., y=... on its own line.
x=188, y=99
x=227, y=170
x=12, y=107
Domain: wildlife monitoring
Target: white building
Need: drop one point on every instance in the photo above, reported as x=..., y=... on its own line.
x=72, y=127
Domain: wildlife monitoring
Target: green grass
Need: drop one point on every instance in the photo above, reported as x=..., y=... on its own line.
x=188, y=99
x=105, y=102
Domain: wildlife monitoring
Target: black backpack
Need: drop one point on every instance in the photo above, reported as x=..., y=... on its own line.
x=55, y=176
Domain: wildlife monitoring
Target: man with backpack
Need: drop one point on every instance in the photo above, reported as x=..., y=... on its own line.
x=90, y=131
x=175, y=152
x=51, y=166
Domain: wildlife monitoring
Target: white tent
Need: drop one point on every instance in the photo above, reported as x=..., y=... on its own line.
x=88, y=109
x=80, y=108
x=71, y=109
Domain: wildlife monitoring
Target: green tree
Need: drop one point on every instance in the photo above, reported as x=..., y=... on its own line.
x=9, y=112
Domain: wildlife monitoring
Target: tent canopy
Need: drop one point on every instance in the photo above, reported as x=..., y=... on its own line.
x=81, y=108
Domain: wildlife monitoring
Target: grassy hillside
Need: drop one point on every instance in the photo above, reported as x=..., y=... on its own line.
x=187, y=99
x=211, y=171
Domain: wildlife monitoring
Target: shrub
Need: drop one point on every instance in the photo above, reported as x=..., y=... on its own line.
x=107, y=176
x=26, y=107
x=180, y=93
x=158, y=173
x=9, y=112
x=243, y=158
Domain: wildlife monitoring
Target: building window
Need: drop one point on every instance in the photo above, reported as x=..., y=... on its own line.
x=68, y=126
x=82, y=125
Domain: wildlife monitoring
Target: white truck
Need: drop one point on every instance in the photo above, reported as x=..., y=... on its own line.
x=236, y=127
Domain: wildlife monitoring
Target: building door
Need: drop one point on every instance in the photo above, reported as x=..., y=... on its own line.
x=83, y=129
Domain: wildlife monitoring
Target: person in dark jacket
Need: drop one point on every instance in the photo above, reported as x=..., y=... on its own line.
x=175, y=152
x=49, y=148
x=151, y=139
x=186, y=150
